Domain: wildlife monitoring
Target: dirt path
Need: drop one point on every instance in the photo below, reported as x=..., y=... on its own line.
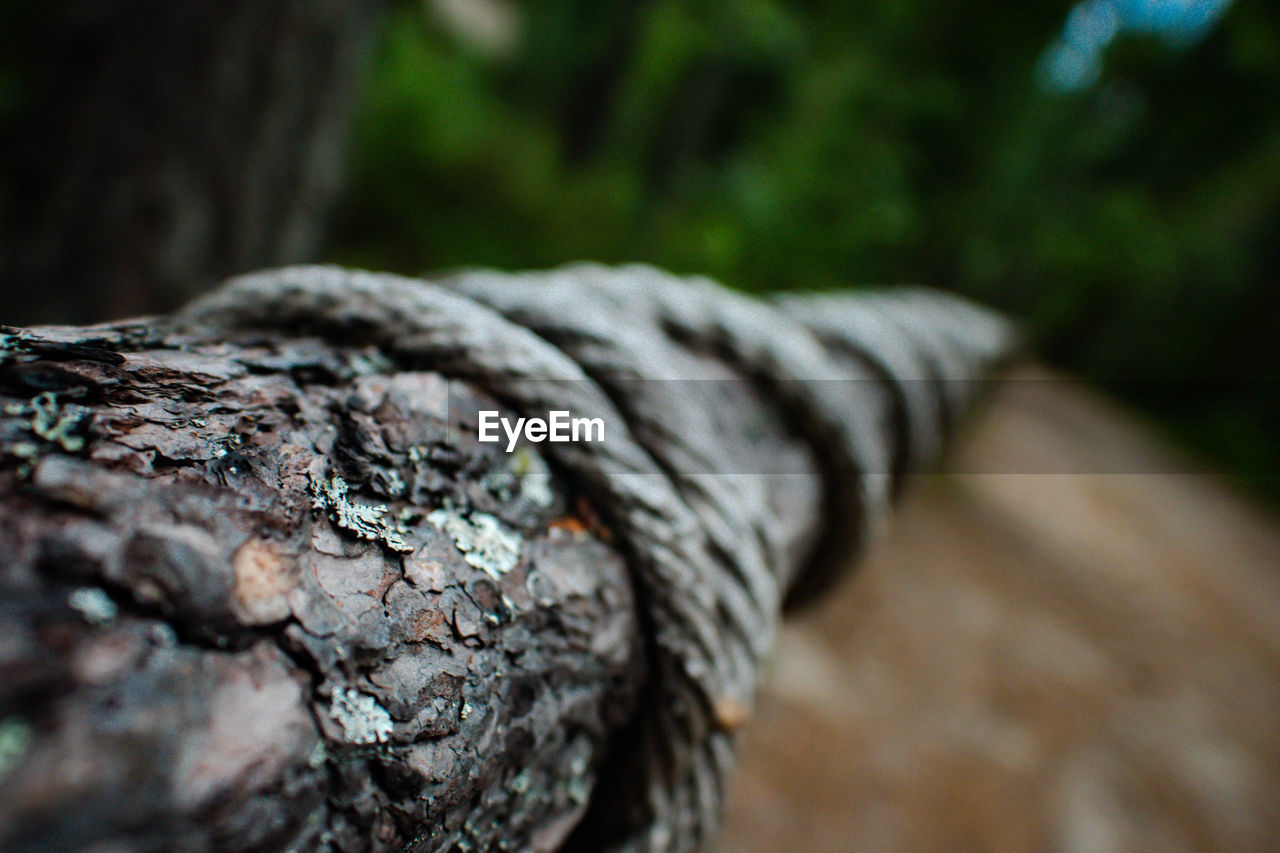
x=1073, y=645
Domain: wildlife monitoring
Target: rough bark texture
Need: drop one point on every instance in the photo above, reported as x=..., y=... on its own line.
x=266, y=589
x=206, y=646
x=174, y=144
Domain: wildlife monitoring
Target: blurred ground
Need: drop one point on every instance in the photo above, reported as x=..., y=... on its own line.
x=1034, y=662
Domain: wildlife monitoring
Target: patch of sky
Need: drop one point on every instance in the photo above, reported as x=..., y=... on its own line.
x=1074, y=60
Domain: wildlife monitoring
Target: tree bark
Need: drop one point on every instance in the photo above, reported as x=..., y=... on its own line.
x=266, y=589
x=173, y=144
x=210, y=647
x=211, y=642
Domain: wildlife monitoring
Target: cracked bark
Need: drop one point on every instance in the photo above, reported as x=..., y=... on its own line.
x=204, y=647
x=202, y=715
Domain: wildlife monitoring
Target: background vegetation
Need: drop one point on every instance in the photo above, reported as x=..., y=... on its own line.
x=1133, y=223
x=779, y=144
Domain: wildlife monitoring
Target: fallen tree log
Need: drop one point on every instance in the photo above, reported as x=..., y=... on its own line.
x=267, y=589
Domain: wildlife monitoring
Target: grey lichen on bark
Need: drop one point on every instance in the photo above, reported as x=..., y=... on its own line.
x=267, y=590
x=255, y=674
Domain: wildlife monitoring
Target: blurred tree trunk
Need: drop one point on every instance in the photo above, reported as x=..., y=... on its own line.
x=173, y=144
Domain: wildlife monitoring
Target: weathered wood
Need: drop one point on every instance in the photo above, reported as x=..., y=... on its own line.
x=267, y=589
x=209, y=645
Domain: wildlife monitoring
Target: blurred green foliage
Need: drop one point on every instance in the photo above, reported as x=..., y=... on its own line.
x=814, y=144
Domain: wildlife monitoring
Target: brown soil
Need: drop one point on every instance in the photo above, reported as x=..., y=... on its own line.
x=1075, y=647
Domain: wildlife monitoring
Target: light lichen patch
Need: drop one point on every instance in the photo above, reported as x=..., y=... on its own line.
x=535, y=477
x=93, y=604
x=481, y=538
x=49, y=421
x=15, y=341
x=54, y=425
x=363, y=720
x=15, y=738
x=367, y=521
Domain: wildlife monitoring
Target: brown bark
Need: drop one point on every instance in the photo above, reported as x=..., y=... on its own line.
x=207, y=646
x=267, y=590
x=211, y=647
